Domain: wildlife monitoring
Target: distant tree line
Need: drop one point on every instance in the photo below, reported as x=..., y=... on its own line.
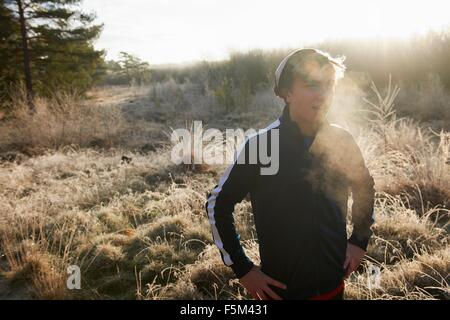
x=234, y=80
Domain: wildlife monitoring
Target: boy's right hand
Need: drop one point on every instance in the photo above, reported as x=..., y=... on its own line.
x=257, y=284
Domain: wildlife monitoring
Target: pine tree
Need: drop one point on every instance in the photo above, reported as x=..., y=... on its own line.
x=10, y=50
x=134, y=68
x=55, y=40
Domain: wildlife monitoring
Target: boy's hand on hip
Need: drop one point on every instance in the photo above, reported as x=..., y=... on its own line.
x=353, y=258
x=257, y=284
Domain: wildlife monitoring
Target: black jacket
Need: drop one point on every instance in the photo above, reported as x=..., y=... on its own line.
x=299, y=212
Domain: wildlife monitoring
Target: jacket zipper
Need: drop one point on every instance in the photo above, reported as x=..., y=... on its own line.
x=316, y=228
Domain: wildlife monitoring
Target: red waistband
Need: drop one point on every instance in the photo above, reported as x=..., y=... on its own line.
x=330, y=294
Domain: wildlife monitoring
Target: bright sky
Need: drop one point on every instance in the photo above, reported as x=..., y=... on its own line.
x=175, y=31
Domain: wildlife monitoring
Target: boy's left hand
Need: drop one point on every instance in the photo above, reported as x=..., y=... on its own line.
x=353, y=258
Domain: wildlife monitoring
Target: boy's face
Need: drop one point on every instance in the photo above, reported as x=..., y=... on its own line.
x=310, y=96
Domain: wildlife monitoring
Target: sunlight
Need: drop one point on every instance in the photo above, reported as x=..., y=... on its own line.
x=172, y=31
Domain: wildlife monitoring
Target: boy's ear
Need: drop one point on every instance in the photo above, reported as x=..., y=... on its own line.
x=285, y=93
x=279, y=92
x=282, y=93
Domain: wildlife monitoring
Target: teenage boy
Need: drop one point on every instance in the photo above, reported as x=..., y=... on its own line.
x=300, y=211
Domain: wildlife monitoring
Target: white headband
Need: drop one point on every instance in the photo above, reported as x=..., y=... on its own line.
x=282, y=64
x=281, y=67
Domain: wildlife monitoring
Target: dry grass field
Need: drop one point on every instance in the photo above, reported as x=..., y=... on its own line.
x=90, y=183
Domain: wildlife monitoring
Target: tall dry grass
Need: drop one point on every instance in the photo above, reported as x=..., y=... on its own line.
x=62, y=120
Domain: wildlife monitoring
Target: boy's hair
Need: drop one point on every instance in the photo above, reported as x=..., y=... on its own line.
x=296, y=65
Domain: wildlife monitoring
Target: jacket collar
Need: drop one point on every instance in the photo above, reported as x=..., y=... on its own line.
x=292, y=126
